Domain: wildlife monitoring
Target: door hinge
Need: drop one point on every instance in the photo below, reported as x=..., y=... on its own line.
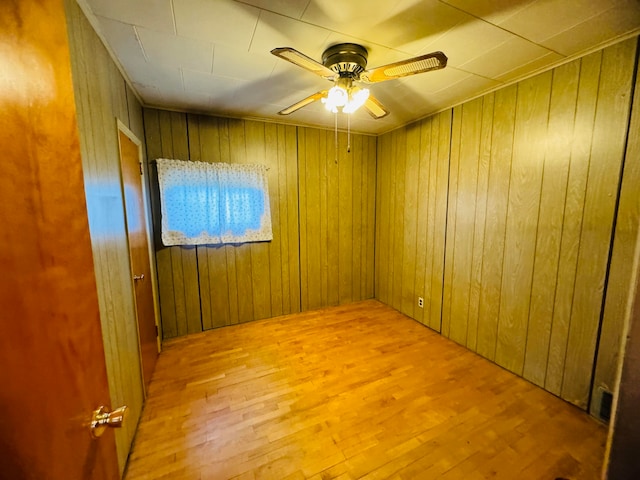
x=140, y=167
x=157, y=333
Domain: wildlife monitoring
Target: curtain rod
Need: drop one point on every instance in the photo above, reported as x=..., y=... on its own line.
x=267, y=167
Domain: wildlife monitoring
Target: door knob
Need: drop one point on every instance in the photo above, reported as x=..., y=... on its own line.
x=103, y=418
x=138, y=277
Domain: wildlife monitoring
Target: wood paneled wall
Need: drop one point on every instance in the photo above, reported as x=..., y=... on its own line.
x=620, y=282
x=322, y=214
x=101, y=95
x=534, y=176
x=411, y=207
x=535, y=170
x=337, y=218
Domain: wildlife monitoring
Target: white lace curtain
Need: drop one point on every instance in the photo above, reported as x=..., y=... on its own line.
x=209, y=203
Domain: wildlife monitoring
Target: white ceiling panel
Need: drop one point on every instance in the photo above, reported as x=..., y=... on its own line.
x=613, y=23
x=150, y=94
x=355, y=17
x=557, y=16
x=238, y=63
x=288, y=8
x=213, y=55
x=274, y=31
x=535, y=65
x=159, y=76
x=469, y=87
x=427, y=85
x=493, y=11
x=504, y=58
x=285, y=75
x=219, y=21
x=413, y=24
x=175, y=51
x=458, y=45
x=211, y=85
x=154, y=14
x=124, y=43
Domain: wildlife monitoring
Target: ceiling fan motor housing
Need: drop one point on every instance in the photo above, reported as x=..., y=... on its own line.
x=346, y=59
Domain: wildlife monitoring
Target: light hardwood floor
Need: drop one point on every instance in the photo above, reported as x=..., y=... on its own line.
x=356, y=391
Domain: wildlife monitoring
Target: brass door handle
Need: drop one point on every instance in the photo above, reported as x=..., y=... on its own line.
x=138, y=277
x=103, y=418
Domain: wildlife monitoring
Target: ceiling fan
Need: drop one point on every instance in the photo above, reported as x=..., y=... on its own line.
x=345, y=64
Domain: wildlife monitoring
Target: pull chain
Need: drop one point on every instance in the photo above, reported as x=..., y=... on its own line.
x=348, y=133
x=336, y=136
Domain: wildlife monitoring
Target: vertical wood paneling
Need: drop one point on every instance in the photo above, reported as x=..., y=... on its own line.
x=101, y=96
x=461, y=218
x=572, y=225
x=193, y=130
x=183, y=259
x=330, y=215
x=562, y=111
x=241, y=254
x=619, y=284
x=441, y=130
x=527, y=161
x=607, y=151
x=533, y=175
x=231, y=283
x=290, y=197
x=393, y=226
x=383, y=255
x=328, y=261
x=399, y=246
x=411, y=205
x=310, y=238
x=163, y=148
x=274, y=253
x=336, y=217
x=495, y=219
x=451, y=223
x=229, y=250
x=358, y=205
x=204, y=142
x=424, y=208
x=412, y=168
x=484, y=159
x=260, y=261
x=177, y=265
x=347, y=246
x=369, y=186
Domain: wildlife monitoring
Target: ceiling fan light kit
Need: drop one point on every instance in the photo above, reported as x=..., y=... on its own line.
x=344, y=96
x=346, y=63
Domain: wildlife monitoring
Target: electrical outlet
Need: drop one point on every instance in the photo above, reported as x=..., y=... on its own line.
x=421, y=302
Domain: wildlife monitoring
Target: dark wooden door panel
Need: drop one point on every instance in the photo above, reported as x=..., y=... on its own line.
x=139, y=249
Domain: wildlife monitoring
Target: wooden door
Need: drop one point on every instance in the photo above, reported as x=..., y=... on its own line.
x=130, y=160
x=52, y=363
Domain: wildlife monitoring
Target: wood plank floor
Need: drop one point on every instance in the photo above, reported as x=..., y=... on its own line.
x=357, y=391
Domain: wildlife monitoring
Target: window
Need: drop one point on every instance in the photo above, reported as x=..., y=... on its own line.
x=210, y=203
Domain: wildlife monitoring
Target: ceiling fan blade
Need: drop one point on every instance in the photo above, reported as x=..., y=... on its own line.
x=301, y=60
x=375, y=108
x=303, y=103
x=411, y=66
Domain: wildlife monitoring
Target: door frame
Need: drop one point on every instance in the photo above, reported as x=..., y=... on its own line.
x=122, y=128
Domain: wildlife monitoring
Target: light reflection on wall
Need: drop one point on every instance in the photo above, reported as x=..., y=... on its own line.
x=105, y=211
